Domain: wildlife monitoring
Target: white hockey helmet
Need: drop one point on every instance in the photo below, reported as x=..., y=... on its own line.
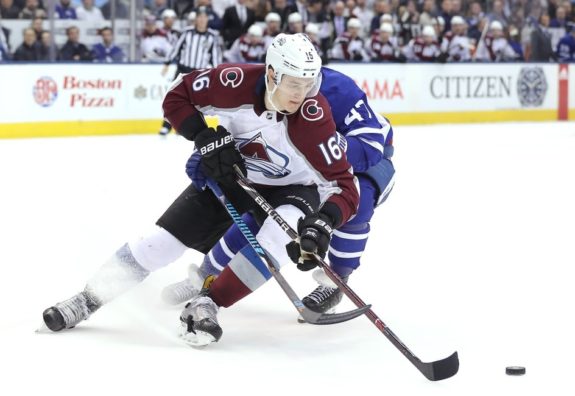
x=256, y=31
x=457, y=20
x=273, y=17
x=168, y=13
x=386, y=18
x=294, y=17
x=192, y=16
x=353, y=23
x=386, y=27
x=495, y=25
x=311, y=28
x=428, y=31
x=294, y=55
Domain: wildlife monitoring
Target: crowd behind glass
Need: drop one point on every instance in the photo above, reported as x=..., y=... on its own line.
x=350, y=30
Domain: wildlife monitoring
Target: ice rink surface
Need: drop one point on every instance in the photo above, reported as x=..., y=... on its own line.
x=473, y=251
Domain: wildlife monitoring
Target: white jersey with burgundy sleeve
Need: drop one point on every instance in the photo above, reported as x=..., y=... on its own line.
x=418, y=50
x=458, y=47
x=495, y=49
x=299, y=148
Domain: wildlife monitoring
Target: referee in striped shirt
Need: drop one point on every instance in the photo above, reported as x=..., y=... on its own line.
x=197, y=48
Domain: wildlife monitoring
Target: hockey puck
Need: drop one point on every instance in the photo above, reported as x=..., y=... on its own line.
x=515, y=370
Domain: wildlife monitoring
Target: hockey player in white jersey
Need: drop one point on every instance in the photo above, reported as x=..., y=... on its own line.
x=273, y=125
x=367, y=139
x=495, y=47
x=455, y=45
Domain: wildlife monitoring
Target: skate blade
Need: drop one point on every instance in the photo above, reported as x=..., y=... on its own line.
x=42, y=329
x=200, y=339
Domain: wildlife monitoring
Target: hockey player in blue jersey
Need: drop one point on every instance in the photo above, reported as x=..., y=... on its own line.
x=367, y=139
x=566, y=46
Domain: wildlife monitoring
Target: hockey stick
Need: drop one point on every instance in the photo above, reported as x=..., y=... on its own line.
x=310, y=316
x=433, y=371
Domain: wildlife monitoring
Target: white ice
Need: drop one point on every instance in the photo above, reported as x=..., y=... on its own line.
x=472, y=252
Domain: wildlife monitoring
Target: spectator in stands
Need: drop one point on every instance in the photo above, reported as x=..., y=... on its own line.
x=455, y=46
x=428, y=12
x=28, y=50
x=301, y=8
x=569, y=10
x=214, y=21
x=474, y=16
x=541, y=48
x=64, y=10
x=121, y=9
x=89, y=12
x=154, y=45
x=439, y=26
x=158, y=7
x=168, y=20
x=249, y=47
x=32, y=10
x=107, y=51
x=235, y=22
x=73, y=50
x=408, y=22
x=476, y=33
x=47, y=50
x=295, y=23
x=497, y=13
x=566, y=46
x=338, y=20
x=38, y=26
x=365, y=14
x=349, y=46
x=446, y=13
x=349, y=9
x=560, y=20
x=424, y=48
x=495, y=47
x=4, y=42
x=8, y=10
x=381, y=7
x=515, y=42
x=273, y=27
x=384, y=47
x=281, y=8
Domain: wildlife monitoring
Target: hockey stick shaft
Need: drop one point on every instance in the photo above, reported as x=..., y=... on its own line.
x=310, y=316
x=433, y=371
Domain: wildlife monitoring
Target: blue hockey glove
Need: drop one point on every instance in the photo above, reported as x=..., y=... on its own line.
x=194, y=171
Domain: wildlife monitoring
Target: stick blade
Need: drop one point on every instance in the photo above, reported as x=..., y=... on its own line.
x=441, y=369
x=317, y=318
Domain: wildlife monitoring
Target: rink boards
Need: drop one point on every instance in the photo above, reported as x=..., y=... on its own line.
x=88, y=99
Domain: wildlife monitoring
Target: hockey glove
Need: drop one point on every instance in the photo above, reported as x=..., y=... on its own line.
x=219, y=155
x=314, y=236
x=194, y=171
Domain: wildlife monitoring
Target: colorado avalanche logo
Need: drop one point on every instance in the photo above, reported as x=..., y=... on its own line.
x=262, y=158
x=232, y=76
x=311, y=111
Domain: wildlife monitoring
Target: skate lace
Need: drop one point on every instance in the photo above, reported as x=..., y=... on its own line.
x=204, y=308
x=182, y=291
x=321, y=293
x=74, y=310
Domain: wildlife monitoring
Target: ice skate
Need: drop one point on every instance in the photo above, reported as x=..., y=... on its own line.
x=199, y=322
x=185, y=290
x=68, y=313
x=325, y=297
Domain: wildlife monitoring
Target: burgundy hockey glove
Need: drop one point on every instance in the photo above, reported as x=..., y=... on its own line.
x=315, y=234
x=219, y=155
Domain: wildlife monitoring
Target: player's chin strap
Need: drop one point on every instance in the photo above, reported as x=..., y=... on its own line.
x=308, y=315
x=313, y=92
x=433, y=371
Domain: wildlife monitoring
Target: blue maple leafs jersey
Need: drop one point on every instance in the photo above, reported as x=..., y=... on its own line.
x=566, y=48
x=366, y=133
